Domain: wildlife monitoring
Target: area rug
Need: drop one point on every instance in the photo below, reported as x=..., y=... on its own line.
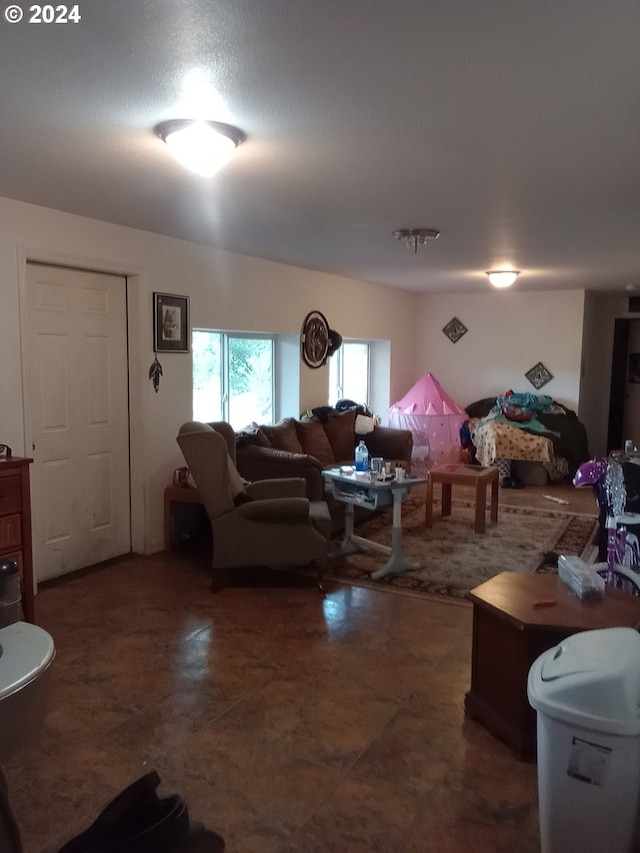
x=453, y=559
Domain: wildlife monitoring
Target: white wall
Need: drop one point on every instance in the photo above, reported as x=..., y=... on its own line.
x=227, y=291
x=508, y=333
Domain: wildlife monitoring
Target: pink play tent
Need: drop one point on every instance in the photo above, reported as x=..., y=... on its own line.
x=434, y=418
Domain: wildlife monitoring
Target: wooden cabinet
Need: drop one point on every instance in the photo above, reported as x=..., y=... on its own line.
x=186, y=523
x=510, y=632
x=15, y=524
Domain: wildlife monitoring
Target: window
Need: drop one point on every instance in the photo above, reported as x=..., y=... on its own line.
x=233, y=377
x=349, y=373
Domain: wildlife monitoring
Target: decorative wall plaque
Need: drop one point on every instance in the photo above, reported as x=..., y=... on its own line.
x=454, y=330
x=538, y=375
x=314, y=339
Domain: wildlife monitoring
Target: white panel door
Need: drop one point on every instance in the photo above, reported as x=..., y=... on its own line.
x=78, y=384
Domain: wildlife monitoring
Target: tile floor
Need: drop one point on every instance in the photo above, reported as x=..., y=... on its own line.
x=289, y=722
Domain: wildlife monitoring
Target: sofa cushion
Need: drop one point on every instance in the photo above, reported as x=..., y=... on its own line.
x=314, y=441
x=282, y=436
x=339, y=429
x=251, y=434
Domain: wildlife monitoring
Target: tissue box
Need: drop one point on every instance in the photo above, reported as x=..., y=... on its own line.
x=583, y=580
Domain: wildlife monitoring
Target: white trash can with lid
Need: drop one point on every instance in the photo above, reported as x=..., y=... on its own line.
x=586, y=692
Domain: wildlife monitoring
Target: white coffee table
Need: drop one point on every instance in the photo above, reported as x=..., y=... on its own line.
x=357, y=489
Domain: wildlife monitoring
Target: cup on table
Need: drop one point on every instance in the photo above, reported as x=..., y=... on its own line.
x=388, y=468
x=400, y=473
x=377, y=467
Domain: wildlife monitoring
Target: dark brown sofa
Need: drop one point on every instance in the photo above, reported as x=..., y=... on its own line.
x=294, y=448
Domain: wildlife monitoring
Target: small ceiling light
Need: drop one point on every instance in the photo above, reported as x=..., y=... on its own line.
x=201, y=146
x=503, y=278
x=414, y=237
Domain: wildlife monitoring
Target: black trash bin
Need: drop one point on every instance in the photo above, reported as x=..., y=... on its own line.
x=10, y=596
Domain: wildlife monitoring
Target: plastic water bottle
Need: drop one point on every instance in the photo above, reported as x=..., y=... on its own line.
x=362, y=457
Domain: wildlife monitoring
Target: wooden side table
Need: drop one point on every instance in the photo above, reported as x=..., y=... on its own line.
x=509, y=633
x=15, y=525
x=464, y=475
x=174, y=498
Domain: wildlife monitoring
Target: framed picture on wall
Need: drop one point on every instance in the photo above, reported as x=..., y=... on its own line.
x=170, y=323
x=454, y=330
x=538, y=375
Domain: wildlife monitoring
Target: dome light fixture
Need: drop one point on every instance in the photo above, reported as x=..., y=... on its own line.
x=414, y=237
x=201, y=146
x=502, y=278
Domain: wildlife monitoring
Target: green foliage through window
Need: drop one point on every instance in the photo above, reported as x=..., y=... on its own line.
x=233, y=377
x=349, y=373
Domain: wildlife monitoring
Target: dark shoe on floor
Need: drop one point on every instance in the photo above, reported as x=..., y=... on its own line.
x=136, y=821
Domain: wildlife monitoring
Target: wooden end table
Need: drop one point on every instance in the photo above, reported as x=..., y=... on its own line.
x=175, y=497
x=464, y=475
x=509, y=633
x=15, y=525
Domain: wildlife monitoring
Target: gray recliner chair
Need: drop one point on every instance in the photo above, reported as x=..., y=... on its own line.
x=269, y=522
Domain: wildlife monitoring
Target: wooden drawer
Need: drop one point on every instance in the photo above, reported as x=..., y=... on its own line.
x=11, y=531
x=10, y=494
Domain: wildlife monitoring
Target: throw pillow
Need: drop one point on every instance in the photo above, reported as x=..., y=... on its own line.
x=251, y=435
x=283, y=436
x=339, y=430
x=314, y=441
x=364, y=425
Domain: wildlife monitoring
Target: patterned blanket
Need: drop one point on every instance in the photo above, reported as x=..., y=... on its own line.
x=502, y=441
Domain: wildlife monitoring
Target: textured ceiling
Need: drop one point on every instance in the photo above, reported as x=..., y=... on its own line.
x=512, y=127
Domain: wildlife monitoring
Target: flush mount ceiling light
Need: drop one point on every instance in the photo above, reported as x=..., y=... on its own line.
x=414, y=237
x=502, y=278
x=201, y=146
